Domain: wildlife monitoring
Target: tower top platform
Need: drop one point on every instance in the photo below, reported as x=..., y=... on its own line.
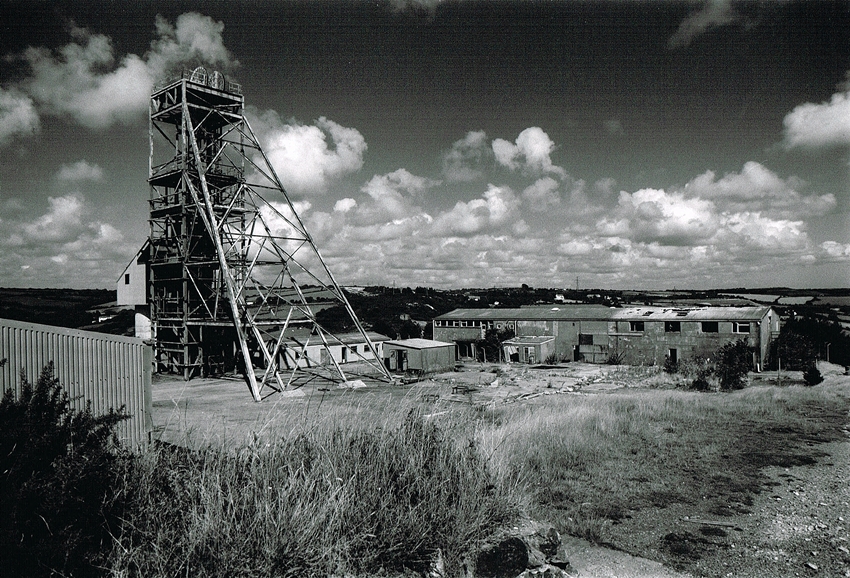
x=202, y=77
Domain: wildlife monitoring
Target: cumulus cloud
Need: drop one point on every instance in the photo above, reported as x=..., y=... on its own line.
x=542, y=195
x=307, y=158
x=530, y=153
x=653, y=215
x=345, y=205
x=393, y=194
x=80, y=171
x=834, y=251
x=498, y=207
x=748, y=232
x=463, y=162
x=67, y=245
x=712, y=14
x=429, y=5
x=812, y=125
x=613, y=126
x=81, y=79
x=62, y=222
x=18, y=115
x=758, y=189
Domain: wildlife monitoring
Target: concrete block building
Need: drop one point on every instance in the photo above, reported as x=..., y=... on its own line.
x=634, y=334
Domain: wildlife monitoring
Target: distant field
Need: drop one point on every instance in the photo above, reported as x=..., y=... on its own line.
x=760, y=297
x=62, y=307
x=797, y=300
x=834, y=301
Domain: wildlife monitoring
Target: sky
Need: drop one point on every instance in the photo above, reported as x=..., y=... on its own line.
x=455, y=143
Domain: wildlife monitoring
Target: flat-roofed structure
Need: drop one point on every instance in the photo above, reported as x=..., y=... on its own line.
x=419, y=355
x=634, y=334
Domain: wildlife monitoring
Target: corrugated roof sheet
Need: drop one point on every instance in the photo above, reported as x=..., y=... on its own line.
x=533, y=313
x=647, y=313
x=602, y=313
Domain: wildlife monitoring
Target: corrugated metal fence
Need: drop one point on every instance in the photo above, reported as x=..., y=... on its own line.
x=107, y=370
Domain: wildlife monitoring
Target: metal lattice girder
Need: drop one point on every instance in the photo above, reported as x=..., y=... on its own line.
x=229, y=252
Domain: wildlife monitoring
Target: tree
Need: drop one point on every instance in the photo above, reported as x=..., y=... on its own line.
x=491, y=345
x=734, y=361
x=793, y=350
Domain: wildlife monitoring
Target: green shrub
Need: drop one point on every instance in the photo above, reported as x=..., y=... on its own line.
x=58, y=493
x=734, y=361
x=490, y=348
x=616, y=358
x=812, y=375
x=699, y=373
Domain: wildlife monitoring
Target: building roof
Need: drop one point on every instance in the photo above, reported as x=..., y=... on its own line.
x=602, y=313
x=640, y=313
x=138, y=259
x=417, y=343
x=548, y=312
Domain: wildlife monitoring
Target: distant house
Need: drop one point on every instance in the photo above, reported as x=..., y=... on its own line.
x=634, y=334
x=420, y=355
x=132, y=289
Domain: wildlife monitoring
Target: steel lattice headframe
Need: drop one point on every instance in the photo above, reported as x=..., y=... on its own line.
x=234, y=273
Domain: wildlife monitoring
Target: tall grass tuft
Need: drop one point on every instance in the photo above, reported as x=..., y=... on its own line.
x=346, y=501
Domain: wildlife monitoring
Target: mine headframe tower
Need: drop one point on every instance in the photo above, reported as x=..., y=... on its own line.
x=235, y=279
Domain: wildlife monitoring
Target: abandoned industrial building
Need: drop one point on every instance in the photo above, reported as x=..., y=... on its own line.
x=632, y=334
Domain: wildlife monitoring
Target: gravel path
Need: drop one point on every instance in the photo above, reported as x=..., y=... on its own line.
x=799, y=527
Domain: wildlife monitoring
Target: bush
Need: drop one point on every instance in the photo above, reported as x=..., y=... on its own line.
x=812, y=375
x=699, y=373
x=491, y=346
x=734, y=361
x=670, y=366
x=58, y=470
x=795, y=351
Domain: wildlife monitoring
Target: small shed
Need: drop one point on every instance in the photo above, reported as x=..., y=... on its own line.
x=422, y=355
x=529, y=349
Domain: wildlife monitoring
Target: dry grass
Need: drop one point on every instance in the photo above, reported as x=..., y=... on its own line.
x=352, y=499
x=377, y=483
x=590, y=460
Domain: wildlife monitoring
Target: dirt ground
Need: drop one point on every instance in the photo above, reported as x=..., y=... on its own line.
x=807, y=510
